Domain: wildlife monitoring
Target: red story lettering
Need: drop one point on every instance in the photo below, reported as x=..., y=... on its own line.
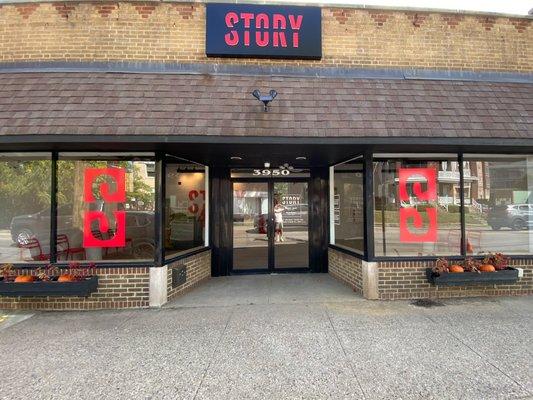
x=263, y=25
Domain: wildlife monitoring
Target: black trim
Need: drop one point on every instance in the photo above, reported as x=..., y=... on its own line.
x=53, y=209
x=415, y=258
x=346, y=251
x=64, y=265
x=239, y=69
x=318, y=216
x=159, y=217
x=368, y=204
x=463, y=249
x=81, y=288
x=187, y=254
x=220, y=221
x=270, y=266
x=377, y=143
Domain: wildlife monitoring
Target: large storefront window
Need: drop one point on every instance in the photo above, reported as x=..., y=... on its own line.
x=25, y=207
x=105, y=207
x=185, y=213
x=347, y=206
x=499, y=203
x=416, y=205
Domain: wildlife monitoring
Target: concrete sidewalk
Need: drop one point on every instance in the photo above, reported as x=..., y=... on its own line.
x=273, y=342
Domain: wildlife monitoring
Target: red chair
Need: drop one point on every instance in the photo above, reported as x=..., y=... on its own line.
x=69, y=252
x=36, y=251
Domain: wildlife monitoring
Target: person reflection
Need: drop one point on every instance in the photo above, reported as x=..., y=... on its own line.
x=278, y=221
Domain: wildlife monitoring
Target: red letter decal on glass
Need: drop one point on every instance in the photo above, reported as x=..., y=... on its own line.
x=97, y=220
x=429, y=175
x=118, y=175
x=411, y=213
x=417, y=176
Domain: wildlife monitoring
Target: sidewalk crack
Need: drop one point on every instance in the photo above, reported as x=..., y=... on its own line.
x=211, y=358
x=345, y=354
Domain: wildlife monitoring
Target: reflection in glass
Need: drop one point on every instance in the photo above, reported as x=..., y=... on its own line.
x=185, y=208
x=25, y=207
x=347, y=205
x=89, y=222
x=499, y=203
x=291, y=233
x=250, y=225
x=431, y=226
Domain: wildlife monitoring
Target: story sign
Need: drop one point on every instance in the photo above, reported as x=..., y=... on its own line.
x=263, y=31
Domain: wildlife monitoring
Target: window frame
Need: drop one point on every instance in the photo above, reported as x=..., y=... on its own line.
x=332, y=235
x=166, y=159
x=160, y=189
x=368, y=190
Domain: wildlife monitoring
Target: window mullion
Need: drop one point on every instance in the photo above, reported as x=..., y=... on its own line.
x=462, y=204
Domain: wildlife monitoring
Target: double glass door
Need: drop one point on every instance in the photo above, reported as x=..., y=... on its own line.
x=270, y=225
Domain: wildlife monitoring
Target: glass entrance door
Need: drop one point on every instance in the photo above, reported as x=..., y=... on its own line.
x=291, y=225
x=270, y=225
x=250, y=226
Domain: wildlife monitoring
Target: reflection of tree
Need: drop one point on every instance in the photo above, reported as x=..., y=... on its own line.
x=24, y=188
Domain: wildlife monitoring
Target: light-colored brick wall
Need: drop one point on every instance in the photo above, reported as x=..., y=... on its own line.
x=198, y=270
x=352, y=37
x=118, y=287
x=346, y=268
x=407, y=280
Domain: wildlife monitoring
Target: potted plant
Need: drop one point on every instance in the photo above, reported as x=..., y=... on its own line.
x=77, y=280
x=493, y=269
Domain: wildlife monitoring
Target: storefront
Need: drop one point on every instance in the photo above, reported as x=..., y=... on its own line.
x=230, y=139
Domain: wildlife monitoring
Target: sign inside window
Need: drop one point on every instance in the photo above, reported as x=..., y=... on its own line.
x=273, y=31
x=412, y=196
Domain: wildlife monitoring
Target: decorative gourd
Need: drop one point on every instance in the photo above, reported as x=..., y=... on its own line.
x=24, y=278
x=456, y=269
x=487, y=268
x=66, y=278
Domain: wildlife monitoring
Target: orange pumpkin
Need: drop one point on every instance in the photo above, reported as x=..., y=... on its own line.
x=456, y=269
x=24, y=278
x=66, y=278
x=487, y=268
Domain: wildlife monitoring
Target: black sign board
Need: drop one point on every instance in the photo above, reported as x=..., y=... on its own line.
x=265, y=31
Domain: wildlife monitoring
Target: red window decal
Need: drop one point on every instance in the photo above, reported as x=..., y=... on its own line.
x=430, y=177
x=117, y=240
x=118, y=175
x=409, y=215
x=99, y=218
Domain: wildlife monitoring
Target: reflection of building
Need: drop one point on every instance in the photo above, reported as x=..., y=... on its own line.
x=449, y=183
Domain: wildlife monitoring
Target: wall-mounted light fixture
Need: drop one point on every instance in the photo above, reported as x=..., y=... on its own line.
x=265, y=99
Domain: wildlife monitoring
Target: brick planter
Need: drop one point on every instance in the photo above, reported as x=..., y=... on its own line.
x=118, y=287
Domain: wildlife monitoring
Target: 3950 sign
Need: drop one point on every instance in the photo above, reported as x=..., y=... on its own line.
x=248, y=30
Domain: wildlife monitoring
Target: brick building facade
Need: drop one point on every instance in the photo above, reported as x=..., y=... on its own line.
x=129, y=85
